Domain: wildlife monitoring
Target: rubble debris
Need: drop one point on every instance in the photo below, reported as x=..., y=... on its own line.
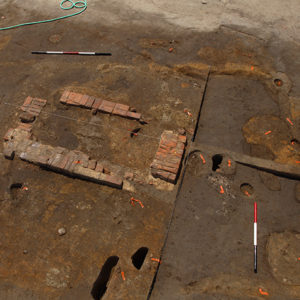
x=168, y=158
x=33, y=106
x=97, y=104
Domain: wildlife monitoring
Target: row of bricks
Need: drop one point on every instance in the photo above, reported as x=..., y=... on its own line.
x=33, y=106
x=167, y=161
x=73, y=163
x=105, y=106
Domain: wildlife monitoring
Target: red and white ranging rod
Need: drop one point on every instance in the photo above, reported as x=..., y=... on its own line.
x=71, y=53
x=255, y=237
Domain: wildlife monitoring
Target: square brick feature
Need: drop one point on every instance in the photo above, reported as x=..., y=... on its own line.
x=121, y=110
x=107, y=106
x=167, y=162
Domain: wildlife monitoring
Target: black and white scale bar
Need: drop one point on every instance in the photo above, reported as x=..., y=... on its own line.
x=71, y=53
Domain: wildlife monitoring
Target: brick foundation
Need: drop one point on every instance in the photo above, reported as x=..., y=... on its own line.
x=167, y=162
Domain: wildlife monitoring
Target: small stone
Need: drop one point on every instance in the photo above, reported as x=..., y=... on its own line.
x=204, y=2
x=132, y=109
x=26, y=117
x=3, y=17
x=61, y=231
x=25, y=251
x=94, y=111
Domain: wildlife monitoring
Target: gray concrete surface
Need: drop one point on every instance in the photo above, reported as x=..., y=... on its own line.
x=260, y=18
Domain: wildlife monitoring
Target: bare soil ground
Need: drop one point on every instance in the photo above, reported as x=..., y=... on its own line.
x=162, y=73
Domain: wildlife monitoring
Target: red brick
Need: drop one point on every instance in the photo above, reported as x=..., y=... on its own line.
x=107, y=106
x=27, y=101
x=180, y=146
x=84, y=100
x=112, y=181
x=133, y=115
x=182, y=138
x=169, y=143
x=121, y=110
x=64, y=97
x=177, y=151
x=42, y=160
x=97, y=103
x=165, y=168
x=8, y=134
x=172, y=178
x=33, y=111
x=90, y=101
x=92, y=164
x=72, y=158
x=165, y=176
x=24, y=126
x=63, y=162
x=39, y=102
x=99, y=167
x=74, y=98
x=169, y=163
